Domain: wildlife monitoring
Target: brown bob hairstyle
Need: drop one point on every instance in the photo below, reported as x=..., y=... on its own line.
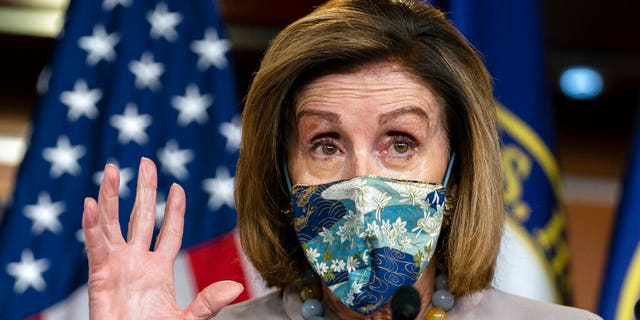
x=339, y=35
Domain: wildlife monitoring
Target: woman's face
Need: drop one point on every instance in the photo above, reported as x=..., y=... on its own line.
x=378, y=120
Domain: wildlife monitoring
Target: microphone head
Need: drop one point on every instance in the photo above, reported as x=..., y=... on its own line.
x=405, y=303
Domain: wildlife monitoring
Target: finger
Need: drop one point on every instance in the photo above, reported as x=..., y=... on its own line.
x=170, y=237
x=97, y=250
x=143, y=214
x=108, y=205
x=213, y=298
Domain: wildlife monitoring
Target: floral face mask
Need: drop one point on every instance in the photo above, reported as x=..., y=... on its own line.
x=367, y=236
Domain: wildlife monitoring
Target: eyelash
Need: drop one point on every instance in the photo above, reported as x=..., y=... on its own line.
x=394, y=138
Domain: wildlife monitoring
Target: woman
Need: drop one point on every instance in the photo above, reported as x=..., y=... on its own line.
x=363, y=117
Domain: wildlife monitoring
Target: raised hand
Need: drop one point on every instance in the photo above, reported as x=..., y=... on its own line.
x=126, y=279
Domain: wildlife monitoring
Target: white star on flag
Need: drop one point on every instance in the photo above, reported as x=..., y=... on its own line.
x=163, y=23
x=220, y=189
x=100, y=45
x=174, y=160
x=28, y=272
x=110, y=4
x=131, y=125
x=211, y=50
x=126, y=175
x=81, y=101
x=147, y=72
x=80, y=236
x=232, y=131
x=64, y=157
x=192, y=106
x=44, y=214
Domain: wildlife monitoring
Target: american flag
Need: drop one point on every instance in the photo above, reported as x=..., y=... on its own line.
x=128, y=78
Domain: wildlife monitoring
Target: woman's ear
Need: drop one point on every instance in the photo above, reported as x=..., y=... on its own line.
x=452, y=189
x=450, y=203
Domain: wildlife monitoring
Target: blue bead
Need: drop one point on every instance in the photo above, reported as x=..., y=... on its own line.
x=443, y=299
x=312, y=308
x=442, y=282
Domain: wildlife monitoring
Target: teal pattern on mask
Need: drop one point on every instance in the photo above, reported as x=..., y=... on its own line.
x=369, y=235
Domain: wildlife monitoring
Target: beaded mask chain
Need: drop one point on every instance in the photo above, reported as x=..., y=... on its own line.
x=312, y=309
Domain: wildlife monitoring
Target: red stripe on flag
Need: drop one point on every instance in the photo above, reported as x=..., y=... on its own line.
x=217, y=260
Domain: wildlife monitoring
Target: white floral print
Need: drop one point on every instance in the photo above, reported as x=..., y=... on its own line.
x=327, y=236
x=349, y=228
x=338, y=265
x=352, y=264
x=322, y=268
x=312, y=254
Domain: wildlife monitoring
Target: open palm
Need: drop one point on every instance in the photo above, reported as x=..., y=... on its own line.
x=126, y=279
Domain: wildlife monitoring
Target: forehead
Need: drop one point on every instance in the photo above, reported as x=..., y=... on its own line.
x=379, y=86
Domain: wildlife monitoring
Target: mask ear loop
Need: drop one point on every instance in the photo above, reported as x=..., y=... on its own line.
x=445, y=182
x=449, y=208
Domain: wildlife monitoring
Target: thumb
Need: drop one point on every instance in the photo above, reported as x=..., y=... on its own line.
x=211, y=299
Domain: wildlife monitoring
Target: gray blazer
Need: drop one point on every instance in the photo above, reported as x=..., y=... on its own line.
x=485, y=304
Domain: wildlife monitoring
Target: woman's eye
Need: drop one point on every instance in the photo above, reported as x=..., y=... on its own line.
x=401, y=147
x=324, y=146
x=329, y=149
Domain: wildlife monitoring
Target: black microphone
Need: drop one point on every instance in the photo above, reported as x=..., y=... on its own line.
x=636, y=311
x=405, y=303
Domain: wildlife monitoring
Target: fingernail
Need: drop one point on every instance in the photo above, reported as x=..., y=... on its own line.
x=146, y=169
x=175, y=185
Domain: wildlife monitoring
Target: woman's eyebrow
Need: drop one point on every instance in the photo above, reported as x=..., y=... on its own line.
x=388, y=116
x=329, y=116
